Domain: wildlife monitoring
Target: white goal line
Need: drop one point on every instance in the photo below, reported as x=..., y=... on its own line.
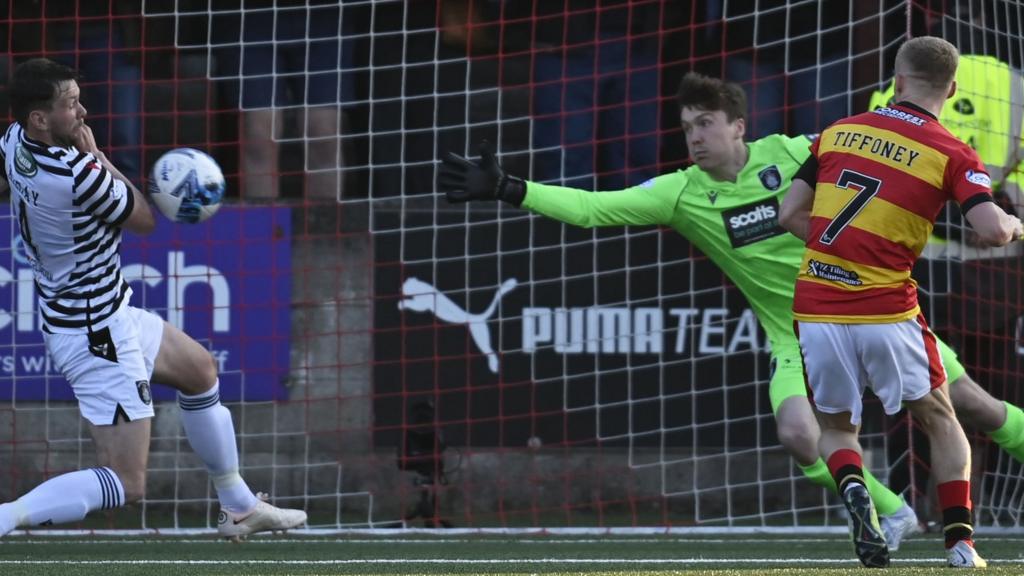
x=577, y=531
x=398, y=533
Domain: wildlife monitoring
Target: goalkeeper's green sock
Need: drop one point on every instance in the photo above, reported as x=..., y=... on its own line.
x=1010, y=436
x=886, y=501
x=819, y=474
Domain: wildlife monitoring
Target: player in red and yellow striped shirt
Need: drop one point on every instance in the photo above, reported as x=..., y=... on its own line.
x=880, y=179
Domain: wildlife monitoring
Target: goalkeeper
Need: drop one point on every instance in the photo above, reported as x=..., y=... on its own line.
x=727, y=205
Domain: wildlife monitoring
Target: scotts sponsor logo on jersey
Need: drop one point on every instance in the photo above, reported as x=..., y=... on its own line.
x=24, y=162
x=770, y=177
x=979, y=178
x=753, y=222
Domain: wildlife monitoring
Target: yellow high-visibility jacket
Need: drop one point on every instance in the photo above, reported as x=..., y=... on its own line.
x=987, y=112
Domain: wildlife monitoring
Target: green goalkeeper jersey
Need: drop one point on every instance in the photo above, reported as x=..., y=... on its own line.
x=736, y=224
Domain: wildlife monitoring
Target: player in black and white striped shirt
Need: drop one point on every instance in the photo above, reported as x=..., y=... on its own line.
x=72, y=240
x=71, y=204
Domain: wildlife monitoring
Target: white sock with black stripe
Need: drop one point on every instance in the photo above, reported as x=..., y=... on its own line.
x=211, y=433
x=65, y=498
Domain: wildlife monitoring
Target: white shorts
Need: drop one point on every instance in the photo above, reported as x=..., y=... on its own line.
x=899, y=361
x=109, y=370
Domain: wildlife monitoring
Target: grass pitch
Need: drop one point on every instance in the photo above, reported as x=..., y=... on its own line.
x=478, y=554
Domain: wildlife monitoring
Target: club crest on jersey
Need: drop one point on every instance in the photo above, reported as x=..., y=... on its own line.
x=979, y=178
x=712, y=196
x=770, y=177
x=24, y=162
x=964, y=106
x=144, y=394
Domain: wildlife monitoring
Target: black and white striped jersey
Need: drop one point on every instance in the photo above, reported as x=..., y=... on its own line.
x=69, y=209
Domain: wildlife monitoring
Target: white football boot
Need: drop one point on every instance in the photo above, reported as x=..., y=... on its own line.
x=263, y=518
x=963, y=555
x=899, y=525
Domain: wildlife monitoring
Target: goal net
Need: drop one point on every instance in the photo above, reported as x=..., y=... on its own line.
x=393, y=360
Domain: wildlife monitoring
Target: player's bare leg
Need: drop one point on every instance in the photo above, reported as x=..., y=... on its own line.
x=841, y=449
x=259, y=173
x=184, y=364
x=324, y=156
x=798, y=429
x=1001, y=421
x=124, y=448
x=122, y=452
x=951, y=463
x=798, y=432
x=976, y=407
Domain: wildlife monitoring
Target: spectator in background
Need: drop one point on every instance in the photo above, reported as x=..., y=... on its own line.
x=798, y=96
x=989, y=116
x=102, y=41
x=595, y=97
x=435, y=85
x=287, y=56
x=462, y=25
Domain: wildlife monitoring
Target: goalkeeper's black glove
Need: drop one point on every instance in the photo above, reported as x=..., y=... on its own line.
x=463, y=180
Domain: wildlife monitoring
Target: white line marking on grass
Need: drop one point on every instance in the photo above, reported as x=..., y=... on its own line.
x=541, y=540
x=432, y=561
x=484, y=541
x=680, y=531
x=458, y=561
x=677, y=531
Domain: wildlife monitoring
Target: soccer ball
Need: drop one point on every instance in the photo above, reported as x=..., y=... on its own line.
x=186, y=185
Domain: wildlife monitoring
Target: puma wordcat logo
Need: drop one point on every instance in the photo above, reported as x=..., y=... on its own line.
x=422, y=297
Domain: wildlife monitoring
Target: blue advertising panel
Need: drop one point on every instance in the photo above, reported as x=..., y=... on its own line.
x=226, y=282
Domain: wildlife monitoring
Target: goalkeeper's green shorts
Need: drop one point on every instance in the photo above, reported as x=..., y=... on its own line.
x=787, y=377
